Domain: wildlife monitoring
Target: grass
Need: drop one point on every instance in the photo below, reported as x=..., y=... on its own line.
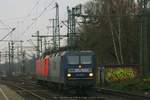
x=137, y=85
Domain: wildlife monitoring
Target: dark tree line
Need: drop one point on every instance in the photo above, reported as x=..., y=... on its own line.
x=113, y=32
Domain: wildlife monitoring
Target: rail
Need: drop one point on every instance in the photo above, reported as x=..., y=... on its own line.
x=27, y=91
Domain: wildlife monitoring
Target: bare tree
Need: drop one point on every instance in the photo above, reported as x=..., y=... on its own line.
x=114, y=28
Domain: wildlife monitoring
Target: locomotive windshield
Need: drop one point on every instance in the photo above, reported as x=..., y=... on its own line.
x=85, y=59
x=79, y=59
x=73, y=59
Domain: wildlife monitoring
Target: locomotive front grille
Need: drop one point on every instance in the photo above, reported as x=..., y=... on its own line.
x=79, y=70
x=89, y=78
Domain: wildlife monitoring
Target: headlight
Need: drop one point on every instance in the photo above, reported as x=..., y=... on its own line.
x=68, y=75
x=80, y=66
x=91, y=74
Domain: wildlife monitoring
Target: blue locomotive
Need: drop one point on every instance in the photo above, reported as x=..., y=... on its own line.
x=68, y=68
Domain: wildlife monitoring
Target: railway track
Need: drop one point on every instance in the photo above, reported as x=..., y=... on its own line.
x=129, y=96
x=29, y=93
x=32, y=91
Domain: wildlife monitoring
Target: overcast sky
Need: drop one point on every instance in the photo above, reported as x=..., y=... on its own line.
x=22, y=13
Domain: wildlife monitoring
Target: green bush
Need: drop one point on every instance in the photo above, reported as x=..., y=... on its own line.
x=141, y=84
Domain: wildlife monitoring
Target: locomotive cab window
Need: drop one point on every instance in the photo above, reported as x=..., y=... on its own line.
x=73, y=59
x=86, y=59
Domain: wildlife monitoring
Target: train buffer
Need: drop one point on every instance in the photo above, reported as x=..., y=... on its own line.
x=8, y=94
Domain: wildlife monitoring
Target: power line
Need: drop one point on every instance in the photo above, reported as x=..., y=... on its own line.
x=24, y=18
x=37, y=3
x=45, y=9
x=4, y=24
x=7, y=34
x=28, y=27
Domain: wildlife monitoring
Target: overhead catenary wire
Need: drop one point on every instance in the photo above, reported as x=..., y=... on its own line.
x=69, y=27
x=5, y=24
x=36, y=4
x=31, y=42
x=28, y=27
x=43, y=11
x=7, y=34
x=24, y=17
x=29, y=15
